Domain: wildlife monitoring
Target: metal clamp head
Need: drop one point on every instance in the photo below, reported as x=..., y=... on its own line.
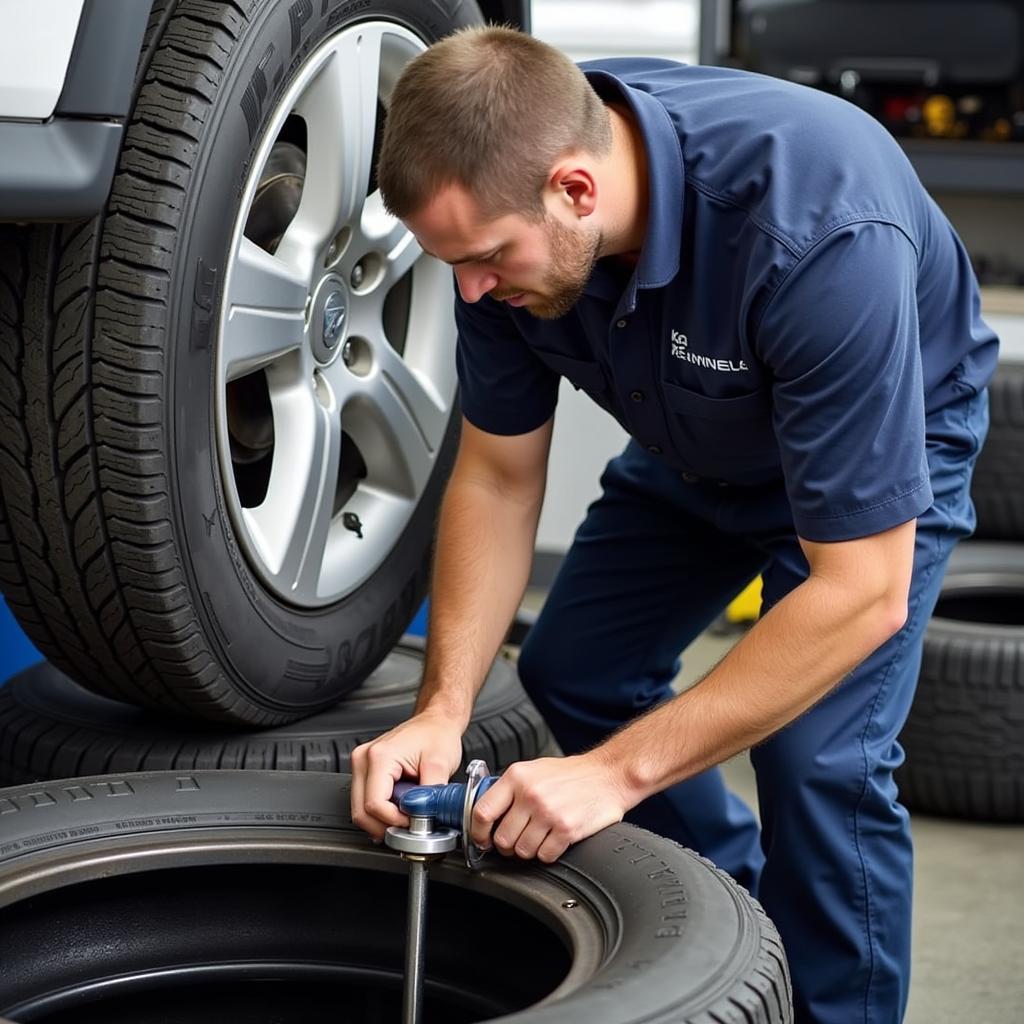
x=477, y=772
x=421, y=838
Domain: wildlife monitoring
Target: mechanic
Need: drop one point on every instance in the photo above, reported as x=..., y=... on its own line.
x=748, y=275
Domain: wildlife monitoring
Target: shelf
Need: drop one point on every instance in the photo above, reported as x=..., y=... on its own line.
x=968, y=166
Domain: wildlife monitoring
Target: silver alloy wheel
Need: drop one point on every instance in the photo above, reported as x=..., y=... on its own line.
x=308, y=316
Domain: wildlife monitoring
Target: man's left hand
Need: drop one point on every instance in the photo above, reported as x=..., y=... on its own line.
x=544, y=806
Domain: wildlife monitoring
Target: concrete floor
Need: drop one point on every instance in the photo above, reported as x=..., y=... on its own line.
x=968, y=928
x=968, y=900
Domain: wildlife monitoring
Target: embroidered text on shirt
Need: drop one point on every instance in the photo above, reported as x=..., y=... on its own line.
x=681, y=350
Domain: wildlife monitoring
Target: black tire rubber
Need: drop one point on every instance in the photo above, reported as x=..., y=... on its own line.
x=964, y=737
x=997, y=487
x=51, y=728
x=117, y=555
x=119, y=877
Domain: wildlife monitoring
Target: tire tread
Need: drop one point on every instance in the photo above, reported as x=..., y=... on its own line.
x=997, y=488
x=964, y=737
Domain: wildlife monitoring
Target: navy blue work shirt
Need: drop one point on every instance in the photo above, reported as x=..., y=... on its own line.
x=799, y=309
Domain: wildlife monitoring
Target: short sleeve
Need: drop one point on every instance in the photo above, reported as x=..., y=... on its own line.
x=505, y=388
x=840, y=337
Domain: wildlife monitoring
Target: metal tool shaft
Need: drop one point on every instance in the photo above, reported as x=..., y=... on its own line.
x=413, y=998
x=437, y=816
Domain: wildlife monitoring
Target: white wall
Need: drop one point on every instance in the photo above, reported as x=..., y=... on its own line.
x=586, y=29
x=586, y=436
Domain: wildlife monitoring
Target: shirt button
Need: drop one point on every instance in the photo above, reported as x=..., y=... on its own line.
x=637, y=396
x=654, y=449
x=620, y=323
x=690, y=478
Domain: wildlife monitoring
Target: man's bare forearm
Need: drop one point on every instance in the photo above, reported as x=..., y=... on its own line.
x=787, y=662
x=481, y=567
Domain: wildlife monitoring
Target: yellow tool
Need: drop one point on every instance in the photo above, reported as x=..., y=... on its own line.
x=746, y=606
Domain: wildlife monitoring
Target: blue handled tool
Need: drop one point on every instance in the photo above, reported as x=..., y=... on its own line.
x=438, y=817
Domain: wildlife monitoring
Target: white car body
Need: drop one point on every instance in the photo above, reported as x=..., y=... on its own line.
x=36, y=39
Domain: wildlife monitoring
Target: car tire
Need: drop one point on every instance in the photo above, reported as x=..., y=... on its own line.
x=222, y=447
x=208, y=896
x=51, y=728
x=997, y=487
x=964, y=737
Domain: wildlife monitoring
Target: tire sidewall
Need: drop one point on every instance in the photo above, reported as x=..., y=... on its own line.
x=969, y=559
x=51, y=728
x=687, y=938
x=303, y=658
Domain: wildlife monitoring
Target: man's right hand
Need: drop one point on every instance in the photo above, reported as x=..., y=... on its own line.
x=481, y=566
x=426, y=749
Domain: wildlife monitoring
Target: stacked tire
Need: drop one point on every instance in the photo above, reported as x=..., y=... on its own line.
x=52, y=728
x=227, y=412
x=228, y=408
x=964, y=738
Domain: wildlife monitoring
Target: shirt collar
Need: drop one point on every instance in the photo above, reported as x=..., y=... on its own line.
x=659, y=255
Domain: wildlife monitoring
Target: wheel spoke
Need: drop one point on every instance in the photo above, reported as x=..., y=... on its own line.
x=340, y=111
x=260, y=280
x=400, y=258
x=380, y=229
x=416, y=393
x=398, y=424
x=255, y=338
x=293, y=523
x=264, y=312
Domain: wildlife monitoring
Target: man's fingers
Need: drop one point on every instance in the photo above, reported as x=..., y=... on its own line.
x=373, y=780
x=418, y=751
x=530, y=840
x=510, y=828
x=379, y=787
x=488, y=809
x=551, y=849
x=358, y=774
x=358, y=765
x=432, y=772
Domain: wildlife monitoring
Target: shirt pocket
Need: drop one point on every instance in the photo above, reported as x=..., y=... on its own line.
x=753, y=406
x=582, y=374
x=729, y=438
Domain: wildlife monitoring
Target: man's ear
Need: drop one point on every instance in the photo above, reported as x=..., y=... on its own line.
x=575, y=184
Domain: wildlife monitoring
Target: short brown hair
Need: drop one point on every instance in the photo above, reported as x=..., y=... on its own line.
x=490, y=109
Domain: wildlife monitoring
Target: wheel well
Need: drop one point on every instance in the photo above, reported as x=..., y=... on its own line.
x=515, y=12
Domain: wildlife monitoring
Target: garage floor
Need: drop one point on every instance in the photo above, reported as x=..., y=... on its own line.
x=968, y=901
x=968, y=897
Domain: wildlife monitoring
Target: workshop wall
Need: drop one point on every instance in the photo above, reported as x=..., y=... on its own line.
x=585, y=436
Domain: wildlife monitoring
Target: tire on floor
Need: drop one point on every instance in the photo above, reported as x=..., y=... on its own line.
x=997, y=487
x=51, y=728
x=183, y=889
x=964, y=737
x=228, y=403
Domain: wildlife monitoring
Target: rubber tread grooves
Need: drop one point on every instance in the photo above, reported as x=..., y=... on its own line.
x=963, y=737
x=96, y=596
x=506, y=727
x=764, y=994
x=761, y=993
x=997, y=487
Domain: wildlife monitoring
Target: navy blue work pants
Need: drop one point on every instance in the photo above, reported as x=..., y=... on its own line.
x=655, y=561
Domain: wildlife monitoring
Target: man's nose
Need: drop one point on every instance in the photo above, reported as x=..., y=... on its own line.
x=474, y=282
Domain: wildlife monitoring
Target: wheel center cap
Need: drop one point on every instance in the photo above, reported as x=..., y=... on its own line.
x=329, y=319
x=335, y=312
